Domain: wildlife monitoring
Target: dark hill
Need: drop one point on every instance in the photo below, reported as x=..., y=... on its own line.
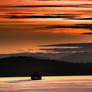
x=24, y=66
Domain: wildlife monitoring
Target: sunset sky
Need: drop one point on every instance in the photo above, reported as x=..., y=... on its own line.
x=27, y=24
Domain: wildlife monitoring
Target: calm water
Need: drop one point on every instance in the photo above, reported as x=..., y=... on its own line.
x=48, y=84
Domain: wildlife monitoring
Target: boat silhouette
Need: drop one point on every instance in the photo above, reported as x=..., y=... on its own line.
x=36, y=76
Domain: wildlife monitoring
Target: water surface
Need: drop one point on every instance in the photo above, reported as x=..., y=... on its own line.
x=48, y=84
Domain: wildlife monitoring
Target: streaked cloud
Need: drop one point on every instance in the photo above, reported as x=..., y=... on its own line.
x=70, y=48
x=78, y=26
x=90, y=33
x=72, y=44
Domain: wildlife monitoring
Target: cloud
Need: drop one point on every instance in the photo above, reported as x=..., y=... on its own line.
x=88, y=33
x=42, y=6
x=68, y=48
x=69, y=45
x=77, y=26
x=32, y=15
x=62, y=49
x=83, y=18
x=16, y=16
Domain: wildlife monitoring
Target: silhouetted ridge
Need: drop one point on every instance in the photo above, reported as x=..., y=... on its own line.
x=24, y=66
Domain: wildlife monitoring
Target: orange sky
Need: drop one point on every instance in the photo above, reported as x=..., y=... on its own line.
x=45, y=2
x=28, y=27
